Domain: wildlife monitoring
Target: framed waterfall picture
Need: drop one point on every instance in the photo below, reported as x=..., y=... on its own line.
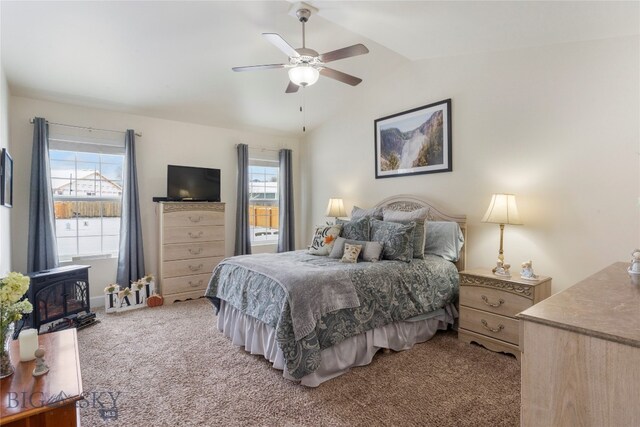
x=6, y=179
x=414, y=142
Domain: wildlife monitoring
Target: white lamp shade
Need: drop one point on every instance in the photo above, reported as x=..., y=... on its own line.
x=303, y=75
x=502, y=210
x=336, y=208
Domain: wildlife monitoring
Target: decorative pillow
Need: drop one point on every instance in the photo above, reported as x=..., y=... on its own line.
x=357, y=212
x=445, y=239
x=351, y=253
x=323, y=239
x=356, y=229
x=419, y=216
x=397, y=239
x=371, y=251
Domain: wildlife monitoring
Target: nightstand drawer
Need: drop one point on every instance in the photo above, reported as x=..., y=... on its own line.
x=493, y=300
x=492, y=325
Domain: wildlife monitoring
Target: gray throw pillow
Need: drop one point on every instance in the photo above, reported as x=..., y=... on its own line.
x=445, y=239
x=357, y=212
x=419, y=216
x=371, y=251
x=396, y=238
x=356, y=229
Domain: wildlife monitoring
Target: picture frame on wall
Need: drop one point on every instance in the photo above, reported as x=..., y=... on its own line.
x=6, y=179
x=413, y=142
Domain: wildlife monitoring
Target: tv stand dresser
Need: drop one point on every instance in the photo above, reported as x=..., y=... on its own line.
x=192, y=244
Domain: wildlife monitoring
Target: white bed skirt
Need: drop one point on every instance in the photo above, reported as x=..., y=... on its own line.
x=259, y=338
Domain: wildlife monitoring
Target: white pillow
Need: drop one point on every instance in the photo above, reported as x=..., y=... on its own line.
x=351, y=253
x=323, y=239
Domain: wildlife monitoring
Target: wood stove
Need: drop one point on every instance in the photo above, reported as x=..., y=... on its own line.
x=58, y=293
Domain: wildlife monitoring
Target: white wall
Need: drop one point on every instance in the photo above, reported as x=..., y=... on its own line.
x=558, y=126
x=163, y=142
x=5, y=213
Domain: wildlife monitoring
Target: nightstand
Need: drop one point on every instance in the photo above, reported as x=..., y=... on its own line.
x=489, y=304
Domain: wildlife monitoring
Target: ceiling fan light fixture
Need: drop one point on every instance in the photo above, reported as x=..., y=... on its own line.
x=303, y=75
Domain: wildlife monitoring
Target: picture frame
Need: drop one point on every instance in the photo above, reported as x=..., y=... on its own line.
x=6, y=179
x=402, y=148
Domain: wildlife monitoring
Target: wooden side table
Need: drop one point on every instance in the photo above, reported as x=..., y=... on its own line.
x=489, y=305
x=48, y=400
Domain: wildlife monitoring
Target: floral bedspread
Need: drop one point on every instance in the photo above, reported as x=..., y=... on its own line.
x=389, y=291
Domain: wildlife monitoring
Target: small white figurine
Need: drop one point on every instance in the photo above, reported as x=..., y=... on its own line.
x=502, y=269
x=41, y=367
x=527, y=271
x=635, y=262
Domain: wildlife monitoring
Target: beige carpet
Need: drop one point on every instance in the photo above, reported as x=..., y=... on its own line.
x=171, y=366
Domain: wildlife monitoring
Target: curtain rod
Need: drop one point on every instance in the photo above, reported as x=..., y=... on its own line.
x=31, y=120
x=258, y=148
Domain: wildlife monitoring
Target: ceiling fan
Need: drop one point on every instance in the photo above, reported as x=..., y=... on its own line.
x=305, y=65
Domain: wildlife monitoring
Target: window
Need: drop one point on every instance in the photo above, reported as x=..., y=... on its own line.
x=87, y=196
x=263, y=200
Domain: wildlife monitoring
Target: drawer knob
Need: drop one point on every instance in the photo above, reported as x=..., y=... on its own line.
x=195, y=285
x=490, y=329
x=196, y=219
x=486, y=301
x=195, y=251
x=195, y=267
x=195, y=236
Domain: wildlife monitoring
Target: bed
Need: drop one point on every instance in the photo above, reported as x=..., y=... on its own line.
x=351, y=311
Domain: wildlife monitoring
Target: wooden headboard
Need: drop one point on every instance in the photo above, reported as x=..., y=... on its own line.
x=410, y=203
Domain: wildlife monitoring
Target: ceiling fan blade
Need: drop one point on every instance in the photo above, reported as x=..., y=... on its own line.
x=258, y=67
x=292, y=88
x=281, y=44
x=345, y=52
x=340, y=76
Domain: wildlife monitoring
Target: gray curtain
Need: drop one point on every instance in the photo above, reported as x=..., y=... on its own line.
x=42, y=252
x=286, y=234
x=131, y=253
x=243, y=240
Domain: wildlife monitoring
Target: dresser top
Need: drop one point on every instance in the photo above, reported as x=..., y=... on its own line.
x=605, y=305
x=515, y=276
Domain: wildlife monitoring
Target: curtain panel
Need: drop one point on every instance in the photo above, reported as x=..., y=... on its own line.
x=286, y=234
x=243, y=239
x=42, y=252
x=131, y=252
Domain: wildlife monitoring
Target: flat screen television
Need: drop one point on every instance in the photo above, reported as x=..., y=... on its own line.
x=191, y=183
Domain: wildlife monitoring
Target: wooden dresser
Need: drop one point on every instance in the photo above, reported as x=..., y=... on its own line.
x=489, y=304
x=581, y=354
x=191, y=245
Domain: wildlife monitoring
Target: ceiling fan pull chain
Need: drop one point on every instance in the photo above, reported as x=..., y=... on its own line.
x=303, y=110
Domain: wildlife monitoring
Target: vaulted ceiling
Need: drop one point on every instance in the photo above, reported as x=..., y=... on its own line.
x=173, y=59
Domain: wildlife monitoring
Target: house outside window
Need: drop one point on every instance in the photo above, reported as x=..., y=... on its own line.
x=263, y=200
x=86, y=181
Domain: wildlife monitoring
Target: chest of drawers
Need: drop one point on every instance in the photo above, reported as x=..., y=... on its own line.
x=489, y=305
x=191, y=245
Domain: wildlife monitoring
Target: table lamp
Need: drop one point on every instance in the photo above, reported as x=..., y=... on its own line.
x=336, y=209
x=502, y=210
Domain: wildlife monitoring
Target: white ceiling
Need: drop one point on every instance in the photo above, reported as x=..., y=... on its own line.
x=173, y=59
